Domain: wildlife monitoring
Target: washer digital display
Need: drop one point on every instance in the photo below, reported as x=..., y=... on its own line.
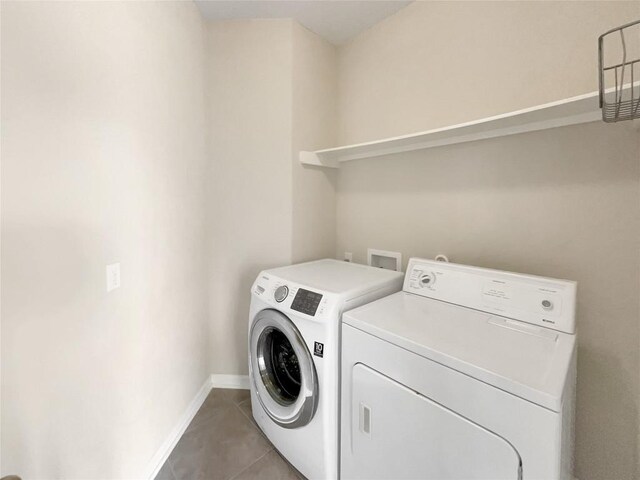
x=306, y=302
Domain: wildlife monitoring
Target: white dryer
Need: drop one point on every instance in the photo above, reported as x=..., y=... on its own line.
x=294, y=348
x=468, y=373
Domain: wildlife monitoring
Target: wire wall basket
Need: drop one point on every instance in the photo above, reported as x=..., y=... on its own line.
x=619, y=65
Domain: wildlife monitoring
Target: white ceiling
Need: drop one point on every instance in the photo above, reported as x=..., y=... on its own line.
x=336, y=20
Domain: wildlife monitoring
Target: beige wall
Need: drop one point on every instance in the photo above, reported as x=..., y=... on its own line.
x=271, y=88
x=561, y=203
x=314, y=127
x=434, y=64
x=249, y=88
x=102, y=161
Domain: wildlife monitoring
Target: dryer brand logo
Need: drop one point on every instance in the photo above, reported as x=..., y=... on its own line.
x=318, y=349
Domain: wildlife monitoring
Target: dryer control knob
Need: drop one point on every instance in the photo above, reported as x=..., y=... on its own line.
x=427, y=280
x=281, y=293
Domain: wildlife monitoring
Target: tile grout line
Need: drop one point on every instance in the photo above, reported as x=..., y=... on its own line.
x=173, y=473
x=242, y=411
x=273, y=449
x=253, y=422
x=196, y=427
x=251, y=464
x=254, y=426
x=216, y=413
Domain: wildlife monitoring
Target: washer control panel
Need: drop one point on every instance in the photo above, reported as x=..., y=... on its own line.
x=539, y=300
x=290, y=297
x=306, y=301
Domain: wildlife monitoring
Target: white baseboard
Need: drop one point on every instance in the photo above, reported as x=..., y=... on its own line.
x=230, y=381
x=213, y=381
x=167, y=446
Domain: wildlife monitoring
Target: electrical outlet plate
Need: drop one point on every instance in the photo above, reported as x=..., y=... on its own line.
x=113, y=276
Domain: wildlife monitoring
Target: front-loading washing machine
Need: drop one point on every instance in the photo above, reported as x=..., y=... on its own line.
x=294, y=353
x=467, y=374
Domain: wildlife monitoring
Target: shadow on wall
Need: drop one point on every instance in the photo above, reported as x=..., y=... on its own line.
x=53, y=334
x=232, y=327
x=606, y=379
x=562, y=203
x=532, y=160
x=80, y=367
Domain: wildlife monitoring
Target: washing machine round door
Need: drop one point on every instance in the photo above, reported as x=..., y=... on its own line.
x=282, y=370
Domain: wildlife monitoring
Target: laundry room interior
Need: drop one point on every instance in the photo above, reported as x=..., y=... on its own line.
x=234, y=233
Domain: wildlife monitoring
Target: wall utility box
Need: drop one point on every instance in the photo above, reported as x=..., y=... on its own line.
x=384, y=259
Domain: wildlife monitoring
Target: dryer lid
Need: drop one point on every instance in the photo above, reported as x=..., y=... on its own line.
x=526, y=360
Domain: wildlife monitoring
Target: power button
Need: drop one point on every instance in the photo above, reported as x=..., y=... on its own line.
x=281, y=293
x=547, y=304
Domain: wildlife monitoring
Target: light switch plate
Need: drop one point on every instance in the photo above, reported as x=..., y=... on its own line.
x=113, y=276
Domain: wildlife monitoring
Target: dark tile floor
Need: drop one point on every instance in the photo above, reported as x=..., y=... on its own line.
x=222, y=442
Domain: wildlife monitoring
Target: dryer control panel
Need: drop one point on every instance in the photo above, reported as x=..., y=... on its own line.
x=538, y=300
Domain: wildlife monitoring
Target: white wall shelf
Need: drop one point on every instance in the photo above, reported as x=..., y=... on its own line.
x=570, y=111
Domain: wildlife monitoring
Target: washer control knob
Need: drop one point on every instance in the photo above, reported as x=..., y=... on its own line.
x=281, y=293
x=547, y=304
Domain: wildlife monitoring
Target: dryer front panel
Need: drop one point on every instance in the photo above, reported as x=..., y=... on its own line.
x=282, y=370
x=397, y=433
